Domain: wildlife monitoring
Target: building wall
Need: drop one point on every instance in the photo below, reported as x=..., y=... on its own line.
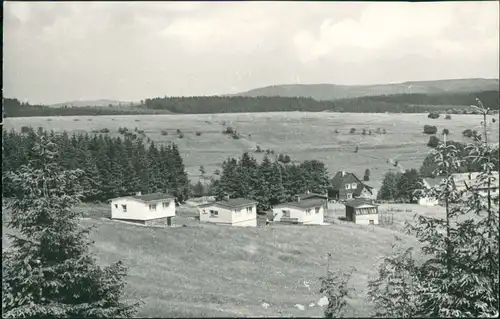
x=300, y=214
x=226, y=216
x=365, y=213
x=138, y=210
x=427, y=201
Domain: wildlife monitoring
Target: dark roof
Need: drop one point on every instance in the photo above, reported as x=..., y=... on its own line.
x=306, y=203
x=359, y=202
x=231, y=203
x=310, y=195
x=337, y=180
x=152, y=197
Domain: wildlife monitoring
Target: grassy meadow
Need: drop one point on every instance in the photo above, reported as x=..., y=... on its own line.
x=207, y=270
x=302, y=135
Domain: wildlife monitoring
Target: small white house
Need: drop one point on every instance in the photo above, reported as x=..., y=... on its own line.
x=429, y=183
x=233, y=212
x=301, y=211
x=148, y=209
x=362, y=211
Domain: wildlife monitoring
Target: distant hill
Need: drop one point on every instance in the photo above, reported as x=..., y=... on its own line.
x=98, y=103
x=325, y=92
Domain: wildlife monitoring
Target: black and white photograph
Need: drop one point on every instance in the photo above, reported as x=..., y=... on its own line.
x=192, y=159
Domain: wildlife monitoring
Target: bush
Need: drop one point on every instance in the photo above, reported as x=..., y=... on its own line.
x=178, y=131
x=198, y=133
x=433, y=115
x=104, y=130
x=433, y=141
x=164, y=132
x=229, y=130
x=258, y=149
x=25, y=129
x=384, y=131
x=429, y=129
x=352, y=131
x=445, y=131
x=467, y=133
x=180, y=135
x=235, y=136
x=447, y=117
x=363, y=131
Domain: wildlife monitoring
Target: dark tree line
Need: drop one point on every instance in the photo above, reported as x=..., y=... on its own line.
x=397, y=103
x=269, y=182
x=400, y=187
x=112, y=167
x=428, y=166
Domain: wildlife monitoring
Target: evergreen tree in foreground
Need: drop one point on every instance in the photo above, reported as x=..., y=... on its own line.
x=48, y=271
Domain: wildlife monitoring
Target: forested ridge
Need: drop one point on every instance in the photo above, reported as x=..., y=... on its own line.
x=112, y=167
x=396, y=103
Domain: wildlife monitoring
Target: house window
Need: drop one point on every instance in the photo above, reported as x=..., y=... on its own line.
x=317, y=210
x=347, y=186
x=165, y=204
x=354, y=185
x=371, y=221
x=308, y=212
x=349, y=195
x=249, y=209
x=286, y=213
x=124, y=208
x=204, y=211
x=116, y=205
x=214, y=213
x=152, y=207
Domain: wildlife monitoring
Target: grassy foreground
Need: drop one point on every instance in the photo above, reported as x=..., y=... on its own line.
x=206, y=270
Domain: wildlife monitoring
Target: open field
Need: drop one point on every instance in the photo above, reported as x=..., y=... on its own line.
x=207, y=270
x=302, y=135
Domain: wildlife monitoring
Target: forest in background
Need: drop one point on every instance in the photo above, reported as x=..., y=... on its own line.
x=456, y=103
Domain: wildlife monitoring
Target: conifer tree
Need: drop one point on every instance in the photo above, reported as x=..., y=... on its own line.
x=48, y=272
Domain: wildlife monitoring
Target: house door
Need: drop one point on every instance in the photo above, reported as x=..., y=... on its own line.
x=169, y=221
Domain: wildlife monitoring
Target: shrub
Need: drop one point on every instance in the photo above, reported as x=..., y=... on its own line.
x=429, y=129
x=76, y=120
x=445, y=131
x=433, y=115
x=467, y=133
x=178, y=131
x=363, y=131
x=384, y=131
x=104, y=130
x=336, y=131
x=447, y=117
x=352, y=131
x=198, y=133
x=25, y=129
x=164, y=132
x=258, y=149
x=229, y=130
x=235, y=136
x=433, y=141
x=180, y=135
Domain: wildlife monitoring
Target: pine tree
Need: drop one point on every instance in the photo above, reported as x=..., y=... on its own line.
x=48, y=271
x=388, y=190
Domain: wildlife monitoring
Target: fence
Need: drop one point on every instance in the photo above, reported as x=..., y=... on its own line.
x=386, y=218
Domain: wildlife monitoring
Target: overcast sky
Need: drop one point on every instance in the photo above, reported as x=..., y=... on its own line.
x=56, y=52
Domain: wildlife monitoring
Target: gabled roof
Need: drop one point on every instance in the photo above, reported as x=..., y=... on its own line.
x=310, y=195
x=303, y=204
x=231, y=203
x=359, y=202
x=336, y=181
x=153, y=197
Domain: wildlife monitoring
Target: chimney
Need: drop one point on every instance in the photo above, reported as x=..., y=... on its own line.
x=138, y=194
x=343, y=173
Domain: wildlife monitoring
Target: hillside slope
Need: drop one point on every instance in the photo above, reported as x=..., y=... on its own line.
x=333, y=91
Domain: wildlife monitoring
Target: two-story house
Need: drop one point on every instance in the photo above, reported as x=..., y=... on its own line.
x=345, y=185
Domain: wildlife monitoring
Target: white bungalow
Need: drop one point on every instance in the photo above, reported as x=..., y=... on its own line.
x=308, y=211
x=425, y=200
x=148, y=209
x=230, y=211
x=362, y=211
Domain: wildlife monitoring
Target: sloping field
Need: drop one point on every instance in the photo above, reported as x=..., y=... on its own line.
x=207, y=270
x=302, y=135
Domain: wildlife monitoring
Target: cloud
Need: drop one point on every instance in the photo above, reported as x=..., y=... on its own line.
x=133, y=50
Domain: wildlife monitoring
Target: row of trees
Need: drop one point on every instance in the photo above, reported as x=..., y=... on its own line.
x=400, y=187
x=112, y=167
x=269, y=182
x=397, y=103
